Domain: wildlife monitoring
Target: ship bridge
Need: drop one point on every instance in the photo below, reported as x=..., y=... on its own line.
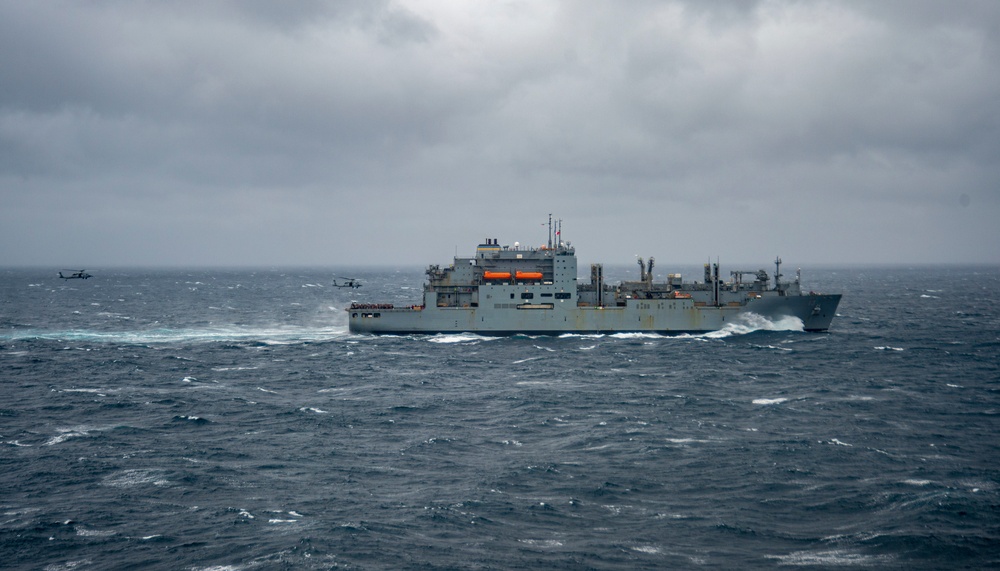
x=503, y=271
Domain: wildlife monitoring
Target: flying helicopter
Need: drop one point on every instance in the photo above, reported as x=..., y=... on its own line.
x=76, y=275
x=350, y=282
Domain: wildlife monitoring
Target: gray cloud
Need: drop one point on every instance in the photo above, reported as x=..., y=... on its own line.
x=390, y=132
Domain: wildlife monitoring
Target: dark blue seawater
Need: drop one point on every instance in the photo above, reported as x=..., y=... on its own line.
x=227, y=420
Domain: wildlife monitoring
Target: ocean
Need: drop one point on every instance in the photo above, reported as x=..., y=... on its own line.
x=227, y=420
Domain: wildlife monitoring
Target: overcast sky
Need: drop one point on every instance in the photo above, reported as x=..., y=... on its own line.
x=343, y=133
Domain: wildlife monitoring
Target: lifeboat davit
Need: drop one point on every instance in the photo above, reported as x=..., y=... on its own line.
x=528, y=275
x=496, y=275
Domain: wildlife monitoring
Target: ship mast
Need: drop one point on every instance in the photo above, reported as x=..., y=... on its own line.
x=777, y=273
x=550, y=230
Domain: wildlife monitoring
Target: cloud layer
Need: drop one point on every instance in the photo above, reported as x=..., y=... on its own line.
x=249, y=133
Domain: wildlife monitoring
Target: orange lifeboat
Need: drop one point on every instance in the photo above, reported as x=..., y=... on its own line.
x=528, y=275
x=496, y=275
x=681, y=295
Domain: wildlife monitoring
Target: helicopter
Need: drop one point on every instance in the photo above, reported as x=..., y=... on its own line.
x=76, y=275
x=351, y=283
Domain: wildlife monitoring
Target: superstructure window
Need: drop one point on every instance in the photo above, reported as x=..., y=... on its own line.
x=527, y=295
x=563, y=295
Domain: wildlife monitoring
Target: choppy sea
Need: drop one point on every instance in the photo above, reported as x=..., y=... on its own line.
x=227, y=420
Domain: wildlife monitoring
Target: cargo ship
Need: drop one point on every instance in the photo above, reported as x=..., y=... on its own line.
x=511, y=289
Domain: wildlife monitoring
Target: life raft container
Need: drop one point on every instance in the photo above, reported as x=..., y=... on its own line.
x=527, y=275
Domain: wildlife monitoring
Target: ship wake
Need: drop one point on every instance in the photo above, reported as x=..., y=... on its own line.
x=232, y=334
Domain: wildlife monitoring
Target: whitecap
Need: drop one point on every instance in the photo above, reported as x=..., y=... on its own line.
x=67, y=433
x=68, y=565
x=457, y=338
x=94, y=532
x=829, y=558
x=541, y=542
x=914, y=482
x=637, y=336
x=648, y=549
x=770, y=401
x=136, y=477
x=99, y=392
x=888, y=348
x=839, y=443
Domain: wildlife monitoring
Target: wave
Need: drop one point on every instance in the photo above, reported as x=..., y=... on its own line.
x=637, y=335
x=764, y=401
x=446, y=338
x=751, y=322
x=831, y=558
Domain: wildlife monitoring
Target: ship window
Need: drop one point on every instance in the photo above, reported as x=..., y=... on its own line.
x=512, y=296
x=563, y=295
x=527, y=295
x=546, y=295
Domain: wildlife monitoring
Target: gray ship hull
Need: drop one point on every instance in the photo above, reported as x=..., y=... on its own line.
x=670, y=317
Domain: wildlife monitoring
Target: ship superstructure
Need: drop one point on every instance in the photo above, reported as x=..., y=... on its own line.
x=505, y=290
